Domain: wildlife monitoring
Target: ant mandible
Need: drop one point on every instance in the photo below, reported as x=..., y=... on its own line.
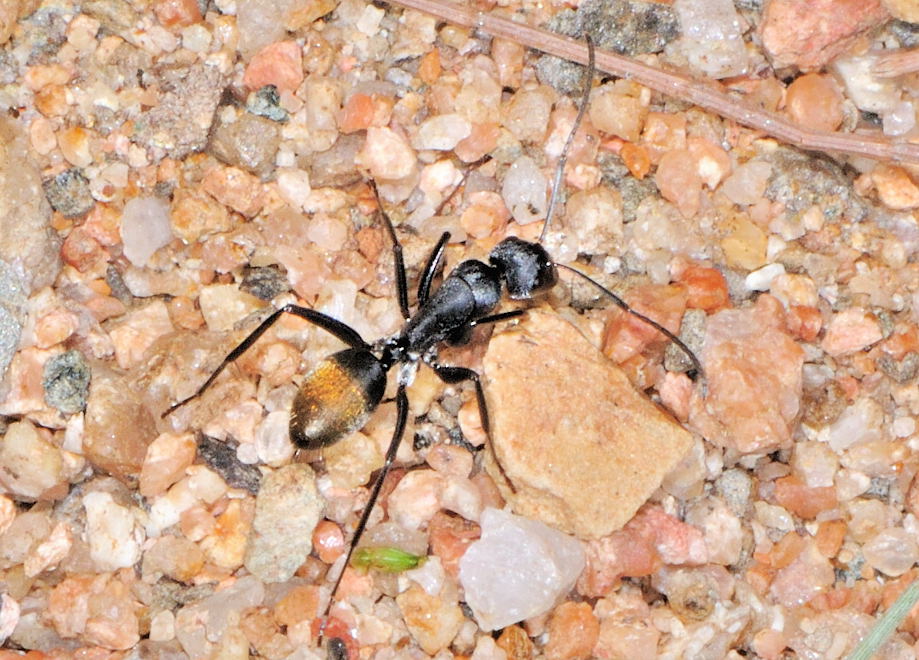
x=342, y=391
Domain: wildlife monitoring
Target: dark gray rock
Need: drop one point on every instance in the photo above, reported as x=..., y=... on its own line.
x=66, y=381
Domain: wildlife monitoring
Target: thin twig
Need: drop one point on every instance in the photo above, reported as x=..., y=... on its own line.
x=705, y=94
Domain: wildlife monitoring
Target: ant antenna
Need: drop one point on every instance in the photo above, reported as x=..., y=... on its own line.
x=560, y=167
x=557, y=184
x=696, y=365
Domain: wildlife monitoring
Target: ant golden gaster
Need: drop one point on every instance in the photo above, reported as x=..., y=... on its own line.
x=342, y=391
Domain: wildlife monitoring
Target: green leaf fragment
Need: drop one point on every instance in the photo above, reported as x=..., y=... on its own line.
x=389, y=560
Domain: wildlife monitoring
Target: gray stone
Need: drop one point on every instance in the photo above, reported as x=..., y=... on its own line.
x=28, y=244
x=69, y=194
x=66, y=381
x=250, y=143
x=287, y=510
x=180, y=124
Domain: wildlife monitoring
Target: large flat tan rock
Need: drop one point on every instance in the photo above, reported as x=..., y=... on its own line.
x=582, y=448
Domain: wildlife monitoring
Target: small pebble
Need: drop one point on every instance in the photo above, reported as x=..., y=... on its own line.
x=712, y=37
x=221, y=457
x=518, y=569
x=66, y=382
x=31, y=464
x=442, y=132
x=118, y=427
x=145, y=228
x=287, y=510
x=180, y=122
x=278, y=64
x=573, y=631
x=849, y=331
x=746, y=185
x=167, y=457
x=762, y=278
x=68, y=193
x=112, y=531
x=524, y=191
x=249, y=142
x=266, y=102
x=747, y=346
x=433, y=621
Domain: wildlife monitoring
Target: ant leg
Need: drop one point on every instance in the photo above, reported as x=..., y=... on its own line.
x=433, y=263
x=333, y=326
x=401, y=286
x=454, y=375
x=431, y=268
x=398, y=432
x=696, y=364
x=464, y=334
x=495, y=318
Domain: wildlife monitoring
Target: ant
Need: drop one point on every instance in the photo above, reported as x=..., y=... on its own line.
x=342, y=391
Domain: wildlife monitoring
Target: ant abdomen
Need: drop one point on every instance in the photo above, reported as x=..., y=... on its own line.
x=336, y=398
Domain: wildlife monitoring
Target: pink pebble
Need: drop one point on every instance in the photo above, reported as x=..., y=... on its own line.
x=850, y=331
x=278, y=64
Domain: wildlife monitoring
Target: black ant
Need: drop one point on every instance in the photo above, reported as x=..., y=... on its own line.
x=341, y=392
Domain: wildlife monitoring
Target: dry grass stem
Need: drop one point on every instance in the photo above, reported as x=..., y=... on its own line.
x=705, y=94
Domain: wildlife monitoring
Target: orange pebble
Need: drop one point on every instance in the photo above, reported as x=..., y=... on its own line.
x=356, y=114
x=184, y=314
x=177, y=13
x=830, y=535
x=279, y=64
x=636, y=158
x=625, y=336
x=814, y=101
x=573, y=632
x=663, y=132
x=759, y=576
x=804, y=322
x=81, y=251
x=429, y=68
x=892, y=591
x=450, y=537
x=706, y=288
x=300, y=603
x=786, y=550
x=902, y=341
x=482, y=139
x=515, y=642
x=679, y=182
x=803, y=500
x=328, y=541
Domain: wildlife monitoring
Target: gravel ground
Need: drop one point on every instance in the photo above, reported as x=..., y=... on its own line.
x=172, y=171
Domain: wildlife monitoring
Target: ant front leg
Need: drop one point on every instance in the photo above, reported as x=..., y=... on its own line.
x=342, y=331
x=398, y=260
x=431, y=267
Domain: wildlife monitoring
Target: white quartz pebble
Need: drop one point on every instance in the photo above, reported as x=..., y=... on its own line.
x=520, y=568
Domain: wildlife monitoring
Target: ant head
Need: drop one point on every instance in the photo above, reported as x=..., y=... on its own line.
x=527, y=269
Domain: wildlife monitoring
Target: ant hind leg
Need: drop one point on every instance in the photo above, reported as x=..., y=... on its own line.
x=398, y=432
x=342, y=331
